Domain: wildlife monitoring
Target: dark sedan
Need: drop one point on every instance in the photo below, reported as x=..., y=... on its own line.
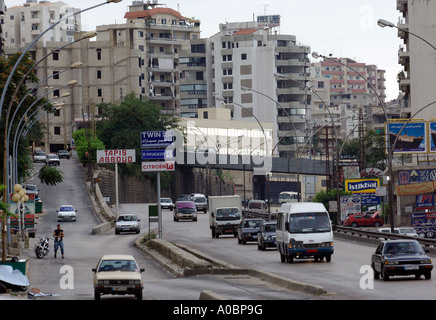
x=247, y=230
x=400, y=258
x=266, y=237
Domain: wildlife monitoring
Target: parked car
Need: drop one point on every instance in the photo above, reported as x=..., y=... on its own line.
x=404, y=231
x=200, y=202
x=266, y=236
x=248, y=229
x=363, y=220
x=400, y=258
x=185, y=210
x=117, y=275
x=63, y=154
x=52, y=160
x=39, y=156
x=67, y=213
x=166, y=203
x=127, y=223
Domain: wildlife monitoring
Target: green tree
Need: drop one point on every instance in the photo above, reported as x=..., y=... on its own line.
x=325, y=197
x=87, y=145
x=25, y=165
x=124, y=122
x=50, y=176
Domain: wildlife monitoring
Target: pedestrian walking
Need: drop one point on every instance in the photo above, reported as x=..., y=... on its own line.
x=58, y=235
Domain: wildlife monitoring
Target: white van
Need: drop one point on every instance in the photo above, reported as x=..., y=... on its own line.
x=288, y=196
x=304, y=230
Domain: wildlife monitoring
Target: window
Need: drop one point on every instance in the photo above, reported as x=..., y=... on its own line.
x=56, y=75
x=56, y=55
x=98, y=54
x=244, y=56
x=98, y=74
x=99, y=92
x=57, y=131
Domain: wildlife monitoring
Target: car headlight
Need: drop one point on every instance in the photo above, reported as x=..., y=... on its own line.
x=327, y=244
x=425, y=261
x=391, y=262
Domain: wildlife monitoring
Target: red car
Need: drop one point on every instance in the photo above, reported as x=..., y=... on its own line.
x=363, y=220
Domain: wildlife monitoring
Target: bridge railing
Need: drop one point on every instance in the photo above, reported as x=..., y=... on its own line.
x=360, y=232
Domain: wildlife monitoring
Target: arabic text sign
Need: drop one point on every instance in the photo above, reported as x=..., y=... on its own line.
x=116, y=156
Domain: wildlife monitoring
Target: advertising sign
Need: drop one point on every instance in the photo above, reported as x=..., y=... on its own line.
x=432, y=136
x=362, y=185
x=350, y=205
x=160, y=154
x=425, y=201
x=411, y=139
x=156, y=139
x=158, y=166
x=268, y=21
x=116, y=156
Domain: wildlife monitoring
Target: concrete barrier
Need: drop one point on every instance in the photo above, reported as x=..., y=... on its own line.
x=101, y=228
x=180, y=257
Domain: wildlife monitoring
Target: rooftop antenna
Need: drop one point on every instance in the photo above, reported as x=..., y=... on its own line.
x=264, y=8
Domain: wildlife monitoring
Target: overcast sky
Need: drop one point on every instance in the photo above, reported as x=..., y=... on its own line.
x=344, y=28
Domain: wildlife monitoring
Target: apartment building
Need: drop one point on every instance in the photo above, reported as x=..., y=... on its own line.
x=416, y=56
x=139, y=56
x=259, y=72
x=348, y=89
x=24, y=23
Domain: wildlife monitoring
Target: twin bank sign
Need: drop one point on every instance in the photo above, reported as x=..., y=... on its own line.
x=362, y=185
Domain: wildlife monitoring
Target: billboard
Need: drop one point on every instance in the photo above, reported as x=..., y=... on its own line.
x=410, y=139
x=362, y=185
x=432, y=137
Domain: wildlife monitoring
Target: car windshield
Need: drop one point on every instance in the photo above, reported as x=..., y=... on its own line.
x=309, y=222
x=117, y=265
x=186, y=207
x=165, y=200
x=199, y=199
x=66, y=208
x=127, y=218
x=403, y=247
x=224, y=214
x=270, y=227
x=252, y=223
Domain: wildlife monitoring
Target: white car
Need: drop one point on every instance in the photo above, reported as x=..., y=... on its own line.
x=117, y=274
x=127, y=223
x=404, y=231
x=39, y=156
x=166, y=203
x=67, y=213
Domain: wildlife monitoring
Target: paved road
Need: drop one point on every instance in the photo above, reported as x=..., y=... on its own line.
x=82, y=250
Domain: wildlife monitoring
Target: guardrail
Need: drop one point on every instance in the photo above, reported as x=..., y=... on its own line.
x=360, y=232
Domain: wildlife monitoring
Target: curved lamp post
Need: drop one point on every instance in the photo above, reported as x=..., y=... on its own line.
x=389, y=147
x=6, y=86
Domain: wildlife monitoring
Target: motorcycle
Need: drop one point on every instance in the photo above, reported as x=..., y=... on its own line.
x=42, y=248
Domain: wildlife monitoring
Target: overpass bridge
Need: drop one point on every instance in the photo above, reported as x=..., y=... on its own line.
x=194, y=174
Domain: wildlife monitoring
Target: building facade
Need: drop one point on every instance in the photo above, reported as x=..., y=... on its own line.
x=416, y=56
x=24, y=23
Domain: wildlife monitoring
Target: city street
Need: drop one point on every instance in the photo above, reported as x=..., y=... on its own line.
x=82, y=251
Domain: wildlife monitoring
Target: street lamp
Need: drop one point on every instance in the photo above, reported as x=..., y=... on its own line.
x=19, y=198
x=389, y=147
x=6, y=86
x=384, y=23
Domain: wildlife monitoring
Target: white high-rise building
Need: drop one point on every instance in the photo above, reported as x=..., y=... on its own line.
x=24, y=23
x=418, y=57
